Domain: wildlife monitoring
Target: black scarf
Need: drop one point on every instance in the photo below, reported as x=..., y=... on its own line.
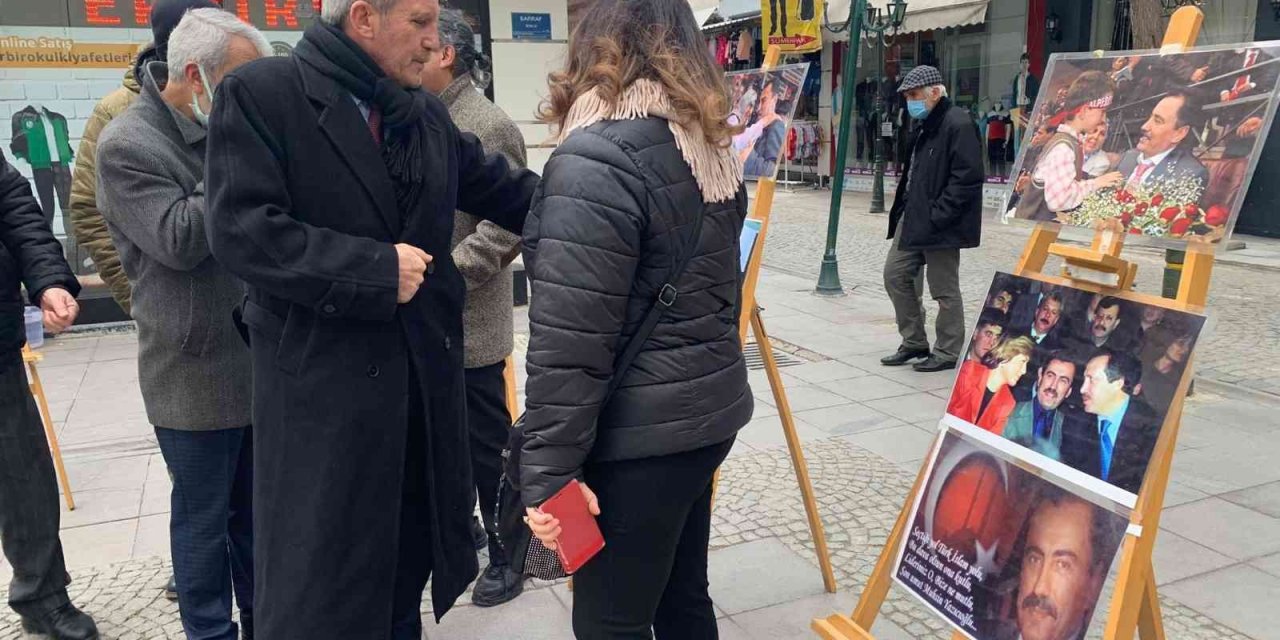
x=327, y=49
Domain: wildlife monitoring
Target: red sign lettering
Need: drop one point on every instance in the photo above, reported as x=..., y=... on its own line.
x=142, y=12
x=93, y=12
x=289, y=11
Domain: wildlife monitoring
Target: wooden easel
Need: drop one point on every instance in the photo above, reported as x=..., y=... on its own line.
x=31, y=358
x=1135, y=605
x=762, y=207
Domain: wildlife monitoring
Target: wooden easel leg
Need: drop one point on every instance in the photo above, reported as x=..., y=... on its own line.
x=877, y=589
x=797, y=454
x=46, y=417
x=509, y=374
x=1150, y=620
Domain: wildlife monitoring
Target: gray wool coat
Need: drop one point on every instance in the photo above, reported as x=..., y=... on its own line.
x=192, y=365
x=483, y=251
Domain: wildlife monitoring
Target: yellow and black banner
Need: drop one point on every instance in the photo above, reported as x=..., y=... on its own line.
x=793, y=25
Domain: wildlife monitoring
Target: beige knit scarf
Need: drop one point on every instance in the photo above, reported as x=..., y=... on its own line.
x=717, y=170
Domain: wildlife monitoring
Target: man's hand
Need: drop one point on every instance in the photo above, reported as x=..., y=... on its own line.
x=60, y=309
x=1249, y=127
x=1200, y=74
x=413, y=270
x=1109, y=180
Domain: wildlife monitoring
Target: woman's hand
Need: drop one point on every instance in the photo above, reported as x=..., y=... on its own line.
x=547, y=527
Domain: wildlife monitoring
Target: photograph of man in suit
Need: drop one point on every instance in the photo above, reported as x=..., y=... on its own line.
x=1045, y=321
x=987, y=335
x=1115, y=440
x=1037, y=423
x=1106, y=319
x=1163, y=152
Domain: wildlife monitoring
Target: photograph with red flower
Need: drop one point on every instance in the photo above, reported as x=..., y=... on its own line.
x=1002, y=553
x=1164, y=144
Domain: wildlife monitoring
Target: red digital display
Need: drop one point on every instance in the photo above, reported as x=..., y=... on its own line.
x=288, y=11
x=142, y=11
x=93, y=13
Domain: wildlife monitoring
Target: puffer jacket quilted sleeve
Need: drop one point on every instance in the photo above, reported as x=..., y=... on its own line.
x=608, y=222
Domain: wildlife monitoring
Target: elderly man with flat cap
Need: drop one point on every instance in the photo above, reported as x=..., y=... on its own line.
x=936, y=212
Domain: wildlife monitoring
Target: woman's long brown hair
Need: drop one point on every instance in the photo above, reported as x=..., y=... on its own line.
x=621, y=41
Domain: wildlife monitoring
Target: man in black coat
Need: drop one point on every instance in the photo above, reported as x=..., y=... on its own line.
x=936, y=212
x=332, y=186
x=1117, y=435
x=30, y=256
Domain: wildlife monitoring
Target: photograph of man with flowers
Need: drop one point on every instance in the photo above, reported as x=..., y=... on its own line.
x=1164, y=145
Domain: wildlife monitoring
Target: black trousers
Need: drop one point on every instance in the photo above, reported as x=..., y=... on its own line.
x=29, y=508
x=651, y=577
x=488, y=421
x=56, y=179
x=414, y=567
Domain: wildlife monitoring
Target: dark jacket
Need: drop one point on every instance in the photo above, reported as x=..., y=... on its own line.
x=1135, y=442
x=193, y=368
x=301, y=207
x=607, y=224
x=29, y=256
x=943, y=209
x=1179, y=164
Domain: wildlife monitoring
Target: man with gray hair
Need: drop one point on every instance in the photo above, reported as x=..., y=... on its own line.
x=333, y=184
x=193, y=367
x=936, y=212
x=483, y=252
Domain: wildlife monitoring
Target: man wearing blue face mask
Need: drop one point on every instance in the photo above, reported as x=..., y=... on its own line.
x=193, y=367
x=936, y=212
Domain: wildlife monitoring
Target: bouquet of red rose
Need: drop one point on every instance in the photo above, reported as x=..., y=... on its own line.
x=1166, y=208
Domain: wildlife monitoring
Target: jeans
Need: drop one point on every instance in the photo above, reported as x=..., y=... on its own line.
x=651, y=576
x=211, y=528
x=488, y=421
x=904, y=272
x=29, y=508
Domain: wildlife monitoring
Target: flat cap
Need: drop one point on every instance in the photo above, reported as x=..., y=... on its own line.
x=921, y=76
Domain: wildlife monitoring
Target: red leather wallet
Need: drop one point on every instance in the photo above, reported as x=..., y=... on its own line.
x=580, y=538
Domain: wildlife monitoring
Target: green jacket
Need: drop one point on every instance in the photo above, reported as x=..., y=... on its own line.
x=1020, y=428
x=31, y=140
x=87, y=225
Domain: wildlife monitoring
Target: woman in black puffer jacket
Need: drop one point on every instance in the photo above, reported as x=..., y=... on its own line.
x=641, y=114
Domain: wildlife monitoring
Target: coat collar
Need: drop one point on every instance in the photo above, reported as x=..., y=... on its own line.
x=938, y=114
x=156, y=75
x=344, y=125
x=456, y=90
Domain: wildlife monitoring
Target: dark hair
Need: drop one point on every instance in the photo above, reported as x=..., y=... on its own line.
x=457, y=31
x=618, y=42
x=1104, y=535
x=1087, y=87
x=1122, y=364
x=1024, y=58
x=1109, y=302
x=991, y=317
x=1061, y=355
x=1191, y=111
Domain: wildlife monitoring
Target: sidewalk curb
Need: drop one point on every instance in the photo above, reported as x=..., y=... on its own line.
x=1236, y=392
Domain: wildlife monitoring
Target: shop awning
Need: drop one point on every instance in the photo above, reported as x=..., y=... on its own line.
x=703, y=9
x=922, y=15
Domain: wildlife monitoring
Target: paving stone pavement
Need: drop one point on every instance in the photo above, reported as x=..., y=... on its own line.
x=1241, y=345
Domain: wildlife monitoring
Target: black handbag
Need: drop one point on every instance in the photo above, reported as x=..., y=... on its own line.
x=526, y=554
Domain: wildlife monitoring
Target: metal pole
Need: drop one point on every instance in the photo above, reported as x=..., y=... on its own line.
x=829, y=276
x=877, y=184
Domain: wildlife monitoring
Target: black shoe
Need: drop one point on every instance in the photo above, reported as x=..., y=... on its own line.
x=63, y=623
x=934, y=363
x=498, y=584
x=171, y=589
x=903, y=356
x=478, y=533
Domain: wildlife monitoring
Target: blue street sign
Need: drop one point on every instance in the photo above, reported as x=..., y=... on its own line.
x=531, y=26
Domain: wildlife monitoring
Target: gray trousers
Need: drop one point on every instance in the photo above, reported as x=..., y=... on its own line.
x=904, y=276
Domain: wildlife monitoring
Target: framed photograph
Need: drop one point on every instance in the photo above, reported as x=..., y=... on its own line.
x=1165, y=144
x=1002, y=553
x=1076, y=382
x=764, y=103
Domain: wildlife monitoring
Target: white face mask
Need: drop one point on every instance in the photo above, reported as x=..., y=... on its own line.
x=196, y=111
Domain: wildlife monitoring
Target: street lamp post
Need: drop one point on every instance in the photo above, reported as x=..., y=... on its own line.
x=829, y=276
x=876, y=24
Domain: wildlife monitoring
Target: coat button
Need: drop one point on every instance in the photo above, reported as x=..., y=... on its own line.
x=448, y=344
x=329, y=309
x=373, y=371
x=431, y=268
